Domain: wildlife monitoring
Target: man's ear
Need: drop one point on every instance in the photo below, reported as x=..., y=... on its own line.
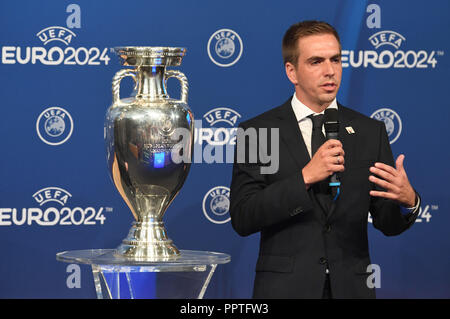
x=291, y=72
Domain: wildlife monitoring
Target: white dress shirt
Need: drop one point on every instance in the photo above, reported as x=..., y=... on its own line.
x=302, y=112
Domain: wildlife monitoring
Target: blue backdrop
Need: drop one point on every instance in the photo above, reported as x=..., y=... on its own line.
x=56, y=69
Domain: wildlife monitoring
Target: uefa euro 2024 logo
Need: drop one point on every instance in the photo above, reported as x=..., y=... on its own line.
x=225, y=47
x=53, y=53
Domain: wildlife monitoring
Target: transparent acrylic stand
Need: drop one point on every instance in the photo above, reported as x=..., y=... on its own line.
x=117, y=277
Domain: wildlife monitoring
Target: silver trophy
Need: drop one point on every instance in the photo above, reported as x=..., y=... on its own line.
x=146, y=136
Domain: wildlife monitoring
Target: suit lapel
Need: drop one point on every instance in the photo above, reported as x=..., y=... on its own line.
x=291, y=135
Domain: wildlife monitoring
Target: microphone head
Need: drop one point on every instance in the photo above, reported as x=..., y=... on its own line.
x=331, y=121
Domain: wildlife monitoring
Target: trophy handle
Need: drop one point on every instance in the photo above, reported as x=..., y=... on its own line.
x=116, y=82
x=183, y=81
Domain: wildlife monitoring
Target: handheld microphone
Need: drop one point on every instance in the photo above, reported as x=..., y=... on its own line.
x=331, y=123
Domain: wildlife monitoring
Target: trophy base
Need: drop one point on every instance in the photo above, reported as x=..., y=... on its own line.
x=150, y=252
x=147, y=241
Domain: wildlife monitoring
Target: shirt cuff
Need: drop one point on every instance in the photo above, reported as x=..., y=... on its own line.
x=415, y=208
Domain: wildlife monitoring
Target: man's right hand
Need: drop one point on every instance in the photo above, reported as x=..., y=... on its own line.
x=328, y=159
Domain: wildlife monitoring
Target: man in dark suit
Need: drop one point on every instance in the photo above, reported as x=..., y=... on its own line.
x=314, y=243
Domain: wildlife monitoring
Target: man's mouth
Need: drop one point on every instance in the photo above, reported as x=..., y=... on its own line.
x=329, y=86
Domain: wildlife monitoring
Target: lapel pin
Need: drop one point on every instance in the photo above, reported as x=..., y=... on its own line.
x=350, y=130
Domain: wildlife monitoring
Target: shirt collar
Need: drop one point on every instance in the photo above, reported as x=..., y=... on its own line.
x=301, y=110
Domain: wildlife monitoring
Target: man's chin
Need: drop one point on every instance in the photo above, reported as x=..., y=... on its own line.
x=326, y=99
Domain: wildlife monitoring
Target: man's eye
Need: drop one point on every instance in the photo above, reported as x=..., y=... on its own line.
x=315, y=62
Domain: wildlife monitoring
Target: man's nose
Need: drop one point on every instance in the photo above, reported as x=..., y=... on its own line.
x=328, y=68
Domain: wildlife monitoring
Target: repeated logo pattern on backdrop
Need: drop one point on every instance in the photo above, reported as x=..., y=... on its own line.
x=54, y=125
x=220, y=140
x=391, y=120
x=56, y=68
x=51, y=53
x=53, y=210
x=216, y=205
x=389, y=49
x=225, y=47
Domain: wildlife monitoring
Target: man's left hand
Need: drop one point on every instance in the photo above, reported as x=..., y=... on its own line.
x=394, y=181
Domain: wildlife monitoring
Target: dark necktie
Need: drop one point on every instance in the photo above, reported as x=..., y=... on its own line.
x=317, y=137
x=321, y=189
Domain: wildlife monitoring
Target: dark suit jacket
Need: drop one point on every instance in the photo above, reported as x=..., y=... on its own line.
x=299, y=240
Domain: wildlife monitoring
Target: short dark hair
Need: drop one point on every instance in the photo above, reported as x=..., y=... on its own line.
x=300, y=30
